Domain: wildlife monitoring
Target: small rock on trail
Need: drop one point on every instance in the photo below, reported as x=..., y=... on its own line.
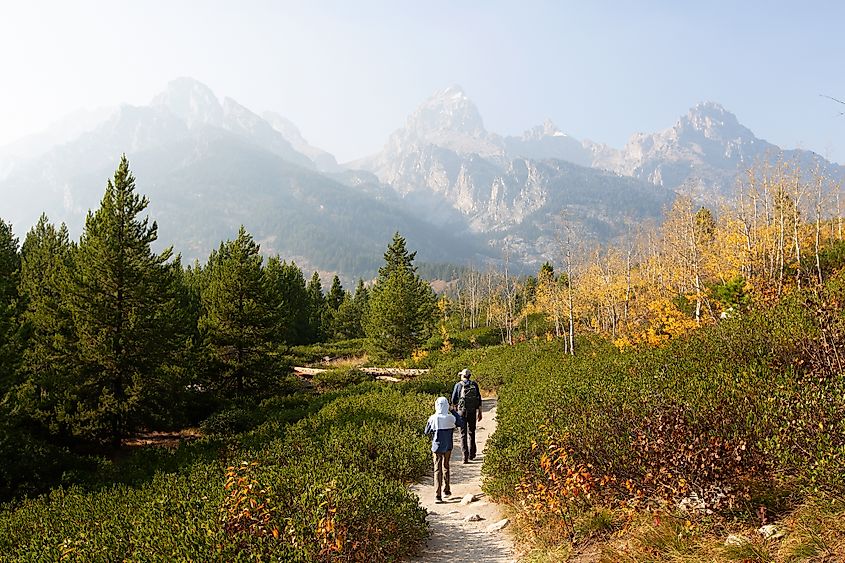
x=468, y=499
x=498, y=525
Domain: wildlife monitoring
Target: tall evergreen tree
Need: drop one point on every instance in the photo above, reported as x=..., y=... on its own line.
x=50, y=353
x=336, y=294
x=10, y=308
x=402, y=307
x=349, y=318
x=289, y=299
x=317, y=309
x=361, y=295
x=121, y=298
x=334, y=298
x=237, y=323
x=397, y=258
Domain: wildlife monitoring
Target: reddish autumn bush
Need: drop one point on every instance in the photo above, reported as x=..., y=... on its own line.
x=713, y=420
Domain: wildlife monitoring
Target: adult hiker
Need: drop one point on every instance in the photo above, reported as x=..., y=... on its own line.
x=466, y=396
x=441, y=426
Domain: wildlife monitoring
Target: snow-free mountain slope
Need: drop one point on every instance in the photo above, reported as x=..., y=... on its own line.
x=701, y=154
x=324, y=161
x=547, y=141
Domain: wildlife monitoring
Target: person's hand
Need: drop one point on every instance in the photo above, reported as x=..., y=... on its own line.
x=479, y=415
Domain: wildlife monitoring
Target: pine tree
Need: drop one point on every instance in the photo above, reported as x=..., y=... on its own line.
x=121, y=299
x=237, y=323
x=349, y=318
x=362, y=295
x=10, y=308
x=401, y=306
x=51, y=351
x=334, y=299
x=317, y=309
x=397, y=258
x=289, y=300
x=336, y=294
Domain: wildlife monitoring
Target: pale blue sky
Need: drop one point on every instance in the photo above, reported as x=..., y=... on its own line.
x=348, y=72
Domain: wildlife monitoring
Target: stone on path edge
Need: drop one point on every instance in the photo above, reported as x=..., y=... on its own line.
x=498, y=525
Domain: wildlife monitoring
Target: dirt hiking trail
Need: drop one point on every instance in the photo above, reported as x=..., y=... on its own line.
x=455, y=538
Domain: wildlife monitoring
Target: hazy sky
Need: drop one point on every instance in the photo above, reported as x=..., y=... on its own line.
x=348, y=72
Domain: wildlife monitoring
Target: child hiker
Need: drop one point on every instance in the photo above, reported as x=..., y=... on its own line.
x=441, y=425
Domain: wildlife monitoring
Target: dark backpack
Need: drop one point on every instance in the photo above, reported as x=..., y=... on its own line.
x=470, y=397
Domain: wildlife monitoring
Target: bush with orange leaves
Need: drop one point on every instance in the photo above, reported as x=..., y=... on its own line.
x=246, y=509
x=562, y=488
x=330, y=535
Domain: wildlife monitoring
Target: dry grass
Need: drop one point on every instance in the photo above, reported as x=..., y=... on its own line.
x=164, y=439
x=817, y=533
x=813, y=533
x=346, y=362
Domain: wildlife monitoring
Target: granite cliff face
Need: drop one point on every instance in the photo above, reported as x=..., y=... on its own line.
x=512, y=190
x=547, y=141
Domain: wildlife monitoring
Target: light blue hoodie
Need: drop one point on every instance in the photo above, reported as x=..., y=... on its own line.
x=441, y=425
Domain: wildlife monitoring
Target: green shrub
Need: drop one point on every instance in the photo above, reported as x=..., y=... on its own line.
x=330, y=486
x=334, y=379
x=228, y=422
x=31, y=465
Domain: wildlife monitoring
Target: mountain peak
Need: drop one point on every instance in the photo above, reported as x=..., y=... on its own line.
x=709, y=107
x=447, y=110
x=547, y=129
x=192, y=101
x=713, y=121
x=454, y=91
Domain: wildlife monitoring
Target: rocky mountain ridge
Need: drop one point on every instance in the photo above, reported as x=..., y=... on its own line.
x=209, y=166
x=442, y=176
x=701, y=154
x=451, y=169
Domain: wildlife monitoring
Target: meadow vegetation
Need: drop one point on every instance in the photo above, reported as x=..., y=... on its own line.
x=331, y=486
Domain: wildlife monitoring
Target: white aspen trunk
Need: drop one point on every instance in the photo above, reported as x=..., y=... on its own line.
x=781, y=249
x=747, y=227
x=627, y=285
x=571, y=313
x=771, y=250
x=818, y=227
x=795, y=230
x=694, y=263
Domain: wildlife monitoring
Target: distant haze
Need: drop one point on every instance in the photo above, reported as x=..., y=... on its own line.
x=348, y=73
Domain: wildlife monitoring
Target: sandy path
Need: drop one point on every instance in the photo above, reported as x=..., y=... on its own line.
x=454, y=539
